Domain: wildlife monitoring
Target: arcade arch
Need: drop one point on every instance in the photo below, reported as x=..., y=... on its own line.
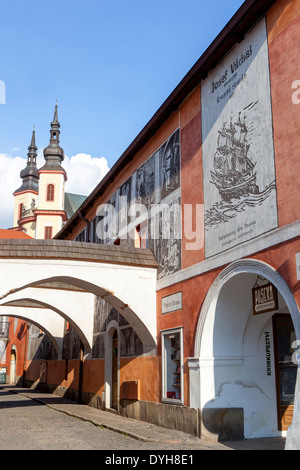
x=236, y=362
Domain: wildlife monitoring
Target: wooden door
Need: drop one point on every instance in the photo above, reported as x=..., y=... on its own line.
x=286, y=370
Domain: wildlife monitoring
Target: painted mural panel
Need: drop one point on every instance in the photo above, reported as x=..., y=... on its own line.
x=237, y=142
x=169, y=159
x=151, y=195
x=165, y=219
x=145, y=183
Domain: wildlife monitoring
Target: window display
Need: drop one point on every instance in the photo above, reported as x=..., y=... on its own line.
x=172, y=365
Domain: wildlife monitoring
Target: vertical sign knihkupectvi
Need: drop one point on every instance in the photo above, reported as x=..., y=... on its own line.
x=237, y=142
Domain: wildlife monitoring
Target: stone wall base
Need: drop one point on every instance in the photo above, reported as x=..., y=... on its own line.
x=209, y=424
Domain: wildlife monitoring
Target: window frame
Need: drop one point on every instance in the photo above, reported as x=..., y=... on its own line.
x=166, y=358
x=50, y=192
x=46, y=228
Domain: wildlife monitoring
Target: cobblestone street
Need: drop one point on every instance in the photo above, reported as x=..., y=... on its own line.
x=36, y=421
x=29, y=425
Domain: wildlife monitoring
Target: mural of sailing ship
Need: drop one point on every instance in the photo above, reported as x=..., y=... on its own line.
x=234, y=175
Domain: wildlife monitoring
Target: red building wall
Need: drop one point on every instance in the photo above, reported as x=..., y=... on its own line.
x=15, y=350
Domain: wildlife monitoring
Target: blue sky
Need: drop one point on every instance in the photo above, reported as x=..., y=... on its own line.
x=109, y=63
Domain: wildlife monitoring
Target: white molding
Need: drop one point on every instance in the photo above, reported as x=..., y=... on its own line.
x=199, y=362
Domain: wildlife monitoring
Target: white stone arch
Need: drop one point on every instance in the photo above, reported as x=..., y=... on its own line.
x=124, y=287
x=220, y=374
x=245, y=266
x=51, y=326
x=74, y=307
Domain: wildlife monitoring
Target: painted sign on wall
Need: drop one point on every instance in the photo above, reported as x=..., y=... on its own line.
x=171, y=303
x=238, y=151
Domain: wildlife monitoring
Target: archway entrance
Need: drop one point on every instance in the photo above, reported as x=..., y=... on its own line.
x=245, y=353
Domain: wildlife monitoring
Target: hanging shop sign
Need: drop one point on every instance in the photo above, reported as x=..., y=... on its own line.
x=264, y=298
x=298, y=266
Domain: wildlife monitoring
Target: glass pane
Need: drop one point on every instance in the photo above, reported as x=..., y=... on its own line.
x=172, y=366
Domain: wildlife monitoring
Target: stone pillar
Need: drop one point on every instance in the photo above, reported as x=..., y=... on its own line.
x=194, y=373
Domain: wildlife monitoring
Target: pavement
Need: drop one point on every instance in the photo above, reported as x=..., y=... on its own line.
x=139, y=430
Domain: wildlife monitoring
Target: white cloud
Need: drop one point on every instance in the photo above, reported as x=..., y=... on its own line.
x=10, y=168
x=84, y=173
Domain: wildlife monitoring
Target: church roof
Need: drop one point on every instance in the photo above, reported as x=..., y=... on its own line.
x=13, y=234
x=72, y=203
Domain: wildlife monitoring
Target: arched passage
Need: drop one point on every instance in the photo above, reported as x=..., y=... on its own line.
x=124, y=287
x=235, y=363
x=44, y=319
x=76, y=306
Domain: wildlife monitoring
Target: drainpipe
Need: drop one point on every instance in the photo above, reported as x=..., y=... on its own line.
x=88, y=224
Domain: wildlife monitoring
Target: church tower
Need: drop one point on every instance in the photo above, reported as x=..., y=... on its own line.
x=26, y=197
x=50, y=213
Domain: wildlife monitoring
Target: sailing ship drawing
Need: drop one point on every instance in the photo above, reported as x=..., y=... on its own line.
x=234, y=173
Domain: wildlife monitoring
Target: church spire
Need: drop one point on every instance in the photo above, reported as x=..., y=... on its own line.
x=29, y=176
x=32, y=150
x=54, y=154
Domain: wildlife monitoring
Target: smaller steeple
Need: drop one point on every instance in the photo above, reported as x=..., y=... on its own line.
x=32, y=154
x=29, y=176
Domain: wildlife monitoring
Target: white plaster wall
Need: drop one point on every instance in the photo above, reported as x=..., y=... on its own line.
x=242, y=382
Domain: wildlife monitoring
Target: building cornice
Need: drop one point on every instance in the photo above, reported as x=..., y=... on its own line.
x=54, y=172
x=28, y=191
x=46, y=212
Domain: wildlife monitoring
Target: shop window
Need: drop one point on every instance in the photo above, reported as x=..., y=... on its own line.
x=172, y=363
x=50, y=192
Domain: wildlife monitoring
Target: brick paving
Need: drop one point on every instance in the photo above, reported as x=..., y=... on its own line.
x=31, y=420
